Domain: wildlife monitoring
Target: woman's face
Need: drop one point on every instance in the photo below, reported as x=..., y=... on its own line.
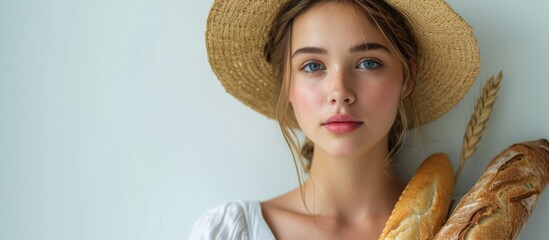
x=346, y=80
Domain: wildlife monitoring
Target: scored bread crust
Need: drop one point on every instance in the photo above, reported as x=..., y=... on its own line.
x=423, y=205
x=499, y=204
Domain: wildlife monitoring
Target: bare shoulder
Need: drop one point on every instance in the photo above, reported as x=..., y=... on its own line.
x=284, y=216
x=286, y=200
x=281, y=207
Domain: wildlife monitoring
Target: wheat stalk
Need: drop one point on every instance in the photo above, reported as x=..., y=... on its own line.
x=477, y=124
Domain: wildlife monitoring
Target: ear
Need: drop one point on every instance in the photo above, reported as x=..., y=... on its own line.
x=407, y=90
x=409, y=87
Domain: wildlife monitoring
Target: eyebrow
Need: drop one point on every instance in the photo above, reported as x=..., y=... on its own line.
x=358, y=48
x=313, y=50
x=368, y=46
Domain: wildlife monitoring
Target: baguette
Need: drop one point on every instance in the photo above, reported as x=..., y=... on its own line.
x=499, y=204
x=423, y=205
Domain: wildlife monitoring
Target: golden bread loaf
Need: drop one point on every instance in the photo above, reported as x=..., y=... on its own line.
x=499, y=204
x=423, y=205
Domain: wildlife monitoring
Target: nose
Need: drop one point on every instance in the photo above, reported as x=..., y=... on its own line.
x=341, y=90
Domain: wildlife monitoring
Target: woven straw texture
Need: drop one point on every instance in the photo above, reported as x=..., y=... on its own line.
x=448, y=61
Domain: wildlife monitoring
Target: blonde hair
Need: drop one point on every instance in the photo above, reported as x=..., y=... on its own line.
x=395, y=29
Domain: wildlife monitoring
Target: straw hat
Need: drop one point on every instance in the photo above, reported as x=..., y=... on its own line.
x=448, y=60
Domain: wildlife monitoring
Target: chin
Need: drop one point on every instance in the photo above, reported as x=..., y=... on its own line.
x=346, y=150
x=351, y=147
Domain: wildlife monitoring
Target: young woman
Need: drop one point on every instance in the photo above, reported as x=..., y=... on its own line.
x=353, y=76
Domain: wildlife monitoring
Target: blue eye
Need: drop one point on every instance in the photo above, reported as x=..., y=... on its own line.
x=369, y=64
x=313, y=67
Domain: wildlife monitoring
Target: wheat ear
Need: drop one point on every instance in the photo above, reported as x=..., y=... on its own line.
x=477, y=124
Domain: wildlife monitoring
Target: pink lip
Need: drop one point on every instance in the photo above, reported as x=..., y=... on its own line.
x=342, y=123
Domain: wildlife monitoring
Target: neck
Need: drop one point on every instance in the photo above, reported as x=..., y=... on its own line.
x=353, y=188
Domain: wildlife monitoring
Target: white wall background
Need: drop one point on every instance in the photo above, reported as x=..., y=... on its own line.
x=112, y=125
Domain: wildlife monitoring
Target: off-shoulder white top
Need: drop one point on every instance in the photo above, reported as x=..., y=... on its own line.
x=240, y=220
x=234, y=220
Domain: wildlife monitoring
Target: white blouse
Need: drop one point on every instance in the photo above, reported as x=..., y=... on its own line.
x=234, y=220
x=238, y=220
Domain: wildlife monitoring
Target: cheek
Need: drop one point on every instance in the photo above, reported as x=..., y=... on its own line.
x=383, y=97
x=306, y=102
x=304, y=98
